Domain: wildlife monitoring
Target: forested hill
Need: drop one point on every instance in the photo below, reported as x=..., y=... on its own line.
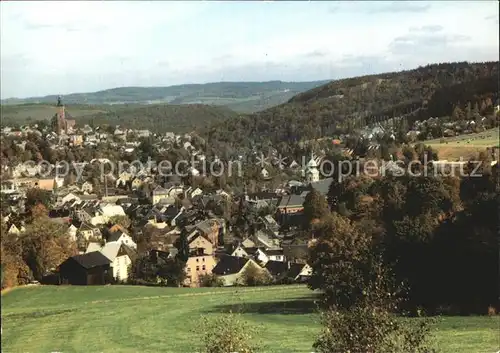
x=160, y=117
x=341, y=105
x=239, y=96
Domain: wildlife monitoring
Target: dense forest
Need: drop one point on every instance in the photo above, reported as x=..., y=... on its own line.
x=160, y=117
x=342, y=105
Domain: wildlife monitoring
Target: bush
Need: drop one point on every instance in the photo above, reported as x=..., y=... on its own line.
x=210, y=280
x=227, y=333
x=367, y=328
x=254, y=276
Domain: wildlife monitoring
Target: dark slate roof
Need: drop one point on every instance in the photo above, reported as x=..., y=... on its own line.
x=129, y=251
x=296, y=200
x=229, y=265
x=91, y=259
x=291, y=201
x=251, y=250
x=294, y=270
x=277, y=268
x=263, y=196
x=86, y=226
x=115, y=235
x=274, y=252
x=90, y=210
x=322, y=186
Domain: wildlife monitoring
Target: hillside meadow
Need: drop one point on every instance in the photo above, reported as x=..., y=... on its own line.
x=153, y=319
x=465, y=146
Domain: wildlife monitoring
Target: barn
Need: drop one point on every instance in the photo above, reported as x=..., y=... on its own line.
x=92, y=268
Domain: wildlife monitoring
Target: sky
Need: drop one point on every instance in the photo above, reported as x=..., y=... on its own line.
x=67, y=47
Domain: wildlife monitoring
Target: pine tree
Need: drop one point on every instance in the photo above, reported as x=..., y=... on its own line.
x=183, y=246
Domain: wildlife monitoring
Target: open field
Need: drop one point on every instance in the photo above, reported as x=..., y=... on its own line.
x=465, y=146
x=146, y=319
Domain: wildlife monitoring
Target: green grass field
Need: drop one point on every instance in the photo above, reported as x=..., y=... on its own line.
x=465, y=146
x=146, y=319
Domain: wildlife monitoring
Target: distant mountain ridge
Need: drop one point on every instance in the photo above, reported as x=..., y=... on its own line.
x=245, y=97
x=339, y=106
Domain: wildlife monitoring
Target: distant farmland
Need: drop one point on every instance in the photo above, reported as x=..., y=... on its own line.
x=465, y=146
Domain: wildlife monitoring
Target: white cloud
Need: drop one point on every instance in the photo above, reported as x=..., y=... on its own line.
x=62, y=47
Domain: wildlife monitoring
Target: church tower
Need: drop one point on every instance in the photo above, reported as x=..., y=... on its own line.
x=312, y=172
x=59, y=119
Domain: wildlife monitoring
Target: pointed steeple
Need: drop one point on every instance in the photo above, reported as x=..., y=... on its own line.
x=312, y=162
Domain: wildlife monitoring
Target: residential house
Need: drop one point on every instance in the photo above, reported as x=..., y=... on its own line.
x=123, y=178
x=289, y=272
x=247, y=243
x=120, y=134
x=8, y=187
x=72, y=232
x=76, y=140
x=231, y=269
x=210, y=229
x=277, y=269
x=92, y=139
x=193, y=171
x=239, y=251
x=275, y=254
x=197, y=266
x=255, y=253
x=87, y=187
x=13, y=229
x=291, y=204
x=192, y=192
x=121, y=257
x=88, y=231
x=142, y=133
x=304, y=274
x=85, y=214
x=110, y=210
x=158, y=194
x=270, y=223
x=137, y=183
x=67, y=198
x=289, y=207
x=45, y=184
x=116, y=228
x=86, y=130
x=264, y=173
x=175, y=191
x=92, y=268
x=123, y=238
x=265, y=238
x=199, y=243
x=157, y=223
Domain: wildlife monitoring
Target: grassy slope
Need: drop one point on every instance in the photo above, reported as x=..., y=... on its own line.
x=132, y=319
x=465, y=146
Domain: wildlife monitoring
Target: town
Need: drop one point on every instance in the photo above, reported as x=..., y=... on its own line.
x=113, y=219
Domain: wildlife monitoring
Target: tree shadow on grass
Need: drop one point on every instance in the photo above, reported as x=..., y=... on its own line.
x=306, y=305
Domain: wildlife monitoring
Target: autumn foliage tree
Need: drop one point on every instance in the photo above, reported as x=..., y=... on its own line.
x=360, y=295
x=14, y=269
x=45, y=245
x=315, y=207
